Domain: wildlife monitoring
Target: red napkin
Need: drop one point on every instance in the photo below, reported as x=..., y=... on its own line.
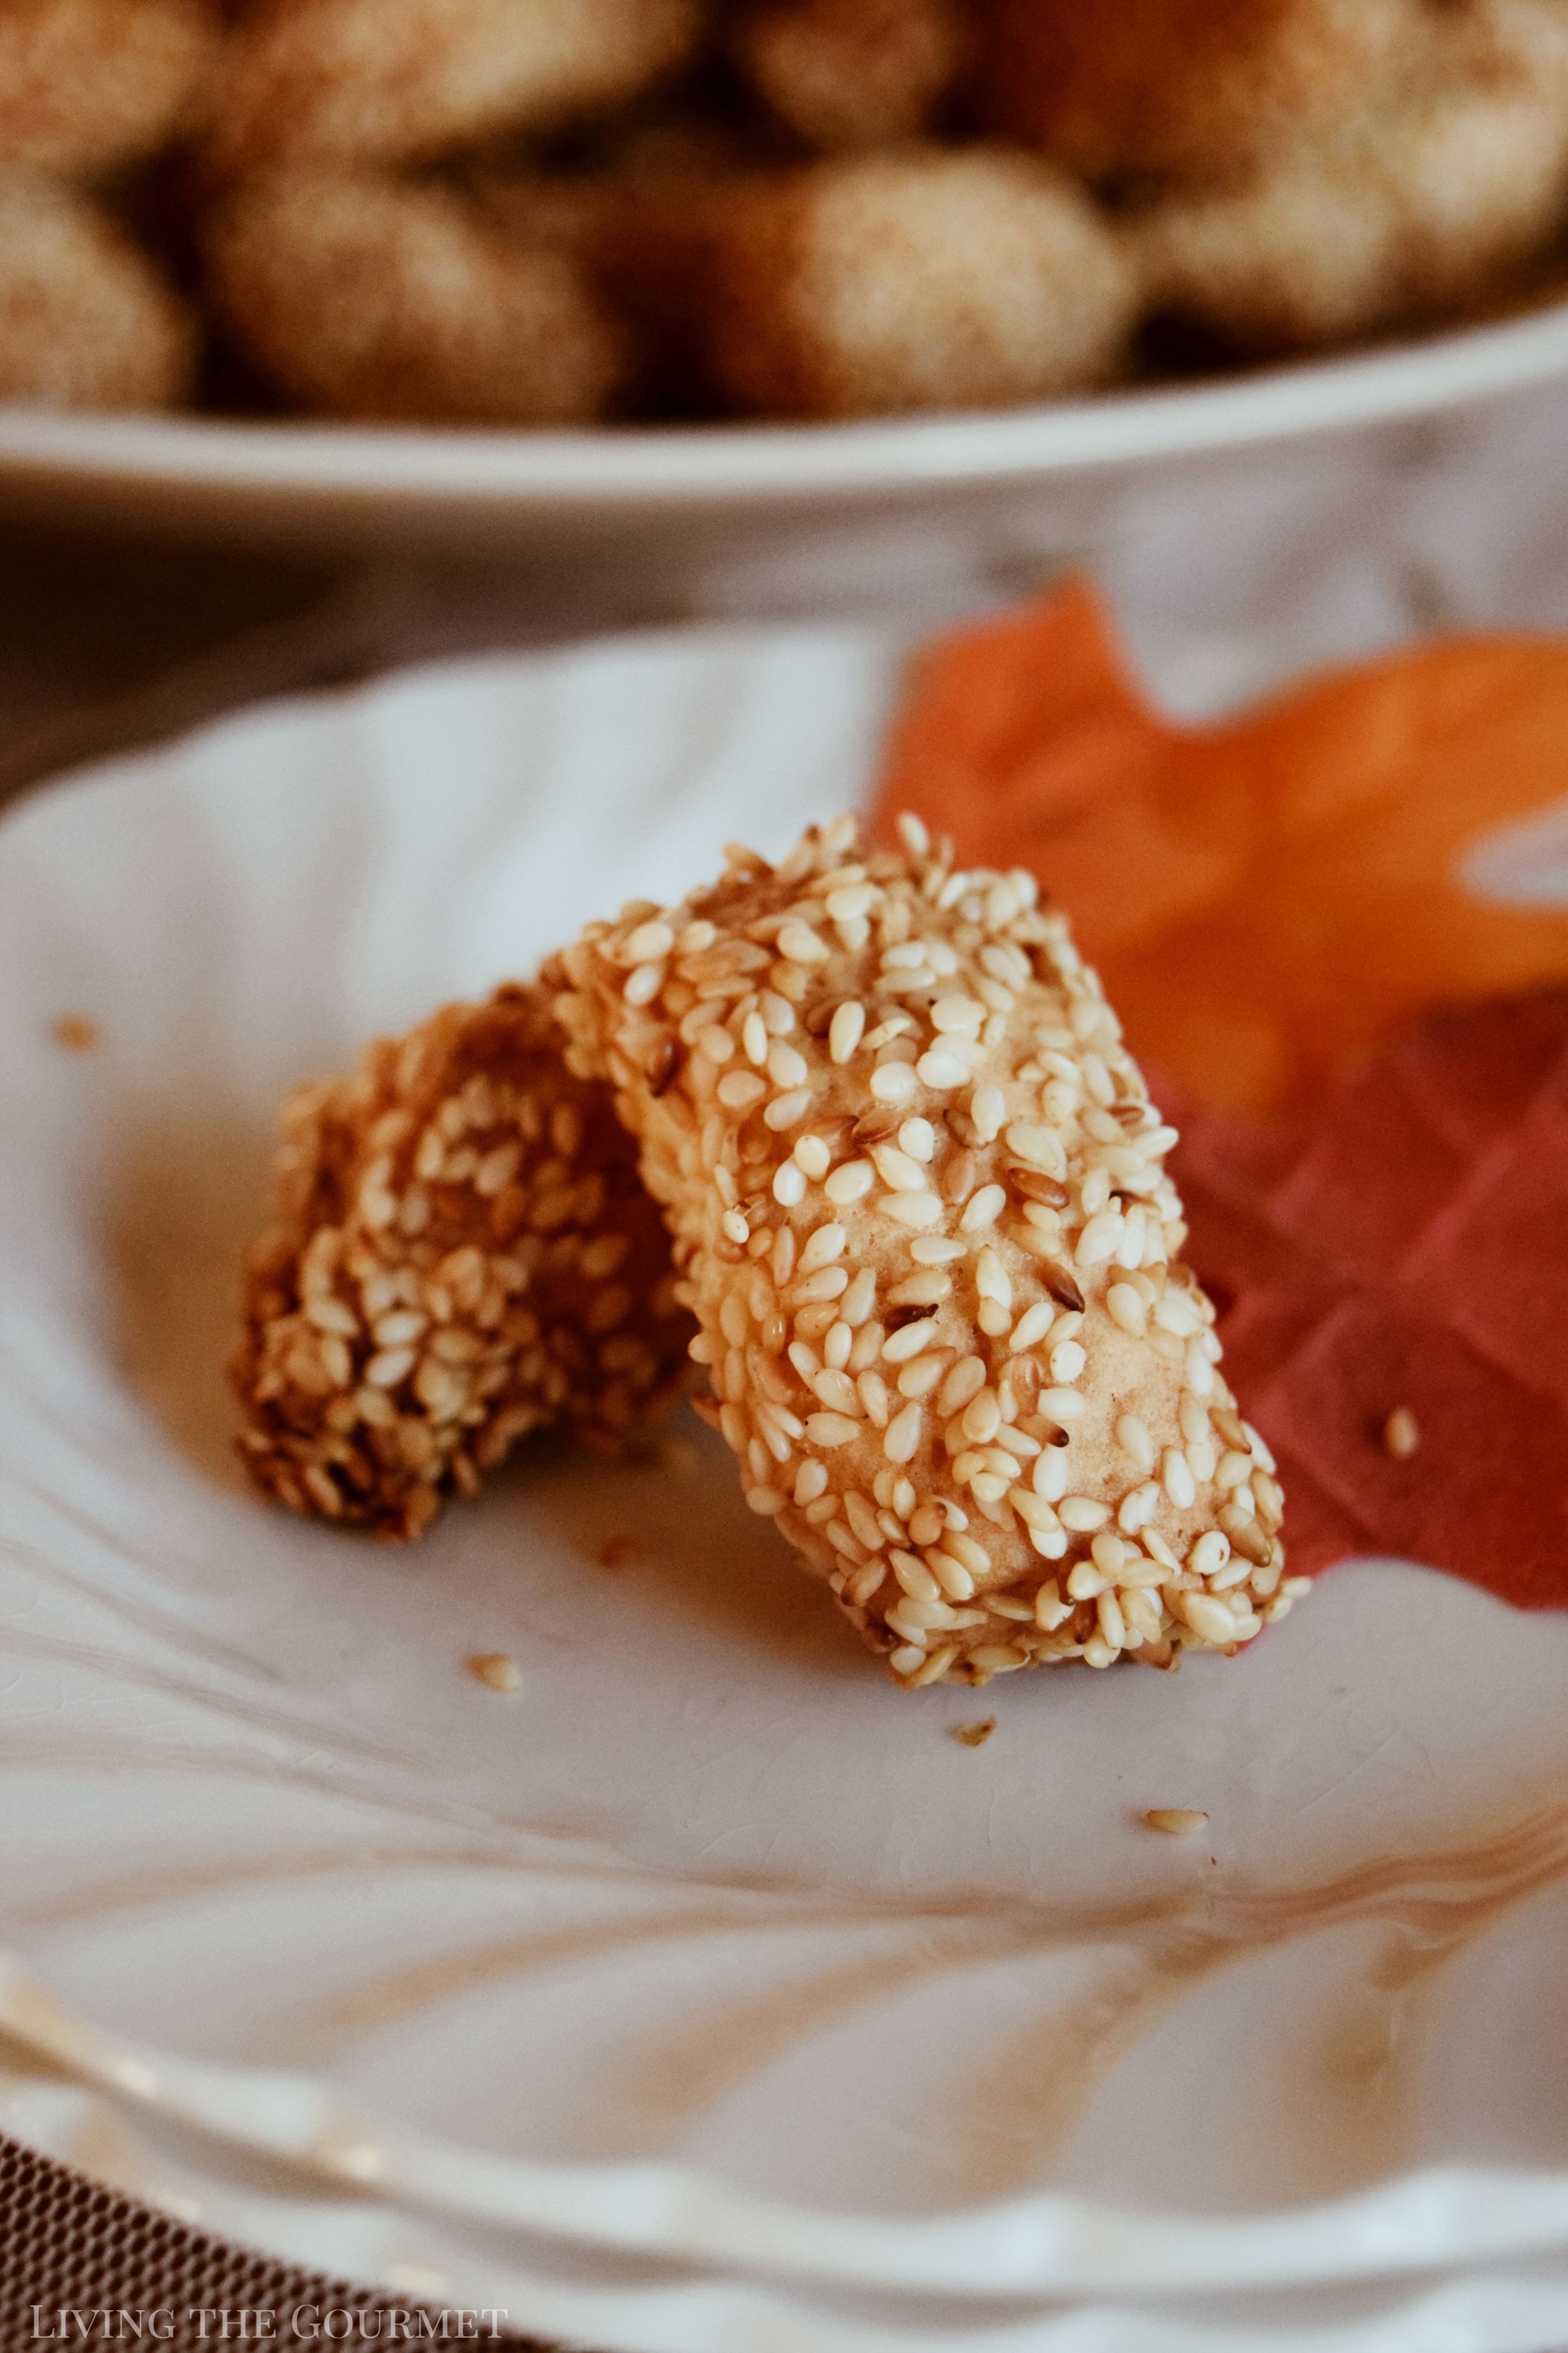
x=1409, y=1246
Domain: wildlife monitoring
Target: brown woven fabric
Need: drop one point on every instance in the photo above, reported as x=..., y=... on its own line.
x=81, y=2264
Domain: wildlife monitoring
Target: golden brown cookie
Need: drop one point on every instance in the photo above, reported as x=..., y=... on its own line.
x=462, y=1254
x=88, y=84
x=366, y=82
x=920, y=1212
x=1392, y=220
x=844, y=74
x=925, y=280
x=1200, y=89
x=368, y=298
x=86, y=321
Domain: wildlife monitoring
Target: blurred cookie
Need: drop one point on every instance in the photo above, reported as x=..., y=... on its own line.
x=371, y=299
x=1197, y=88
x=927, y=280
x=85, y=320
x=88, y=84
x=351, y=82
x=844, y=74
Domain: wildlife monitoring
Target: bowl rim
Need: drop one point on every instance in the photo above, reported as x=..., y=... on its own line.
x=693, y=467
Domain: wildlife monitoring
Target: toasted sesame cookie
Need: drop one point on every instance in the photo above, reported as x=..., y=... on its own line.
x=462, y=1254
x=86, y=321
x=920, y=1210
x=1395, y=217
x=89, y=84
x=371, y=298
x=928, y=278
x=844, y=74
x=1195, y=89
x=367, y=82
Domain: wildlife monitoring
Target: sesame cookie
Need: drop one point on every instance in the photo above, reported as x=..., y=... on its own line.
x=86, y=319
x=462, y=1254
x=88, y=85
x=373, y=297
x=365, y=82
x=924, y=278
x=920, y=1210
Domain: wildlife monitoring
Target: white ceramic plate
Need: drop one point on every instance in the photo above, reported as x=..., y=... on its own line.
x=706, y=1992
x=326, y=480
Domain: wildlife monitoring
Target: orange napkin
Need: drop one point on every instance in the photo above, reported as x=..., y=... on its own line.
x=1269, y=898
x=1377, y=1189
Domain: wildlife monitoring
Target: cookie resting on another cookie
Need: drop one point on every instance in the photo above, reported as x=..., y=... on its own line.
x=919, y=1210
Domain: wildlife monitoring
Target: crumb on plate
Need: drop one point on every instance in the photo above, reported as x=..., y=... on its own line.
x=1176, y=1821
x=495, y=1669
x=76, y=1033
x=975, y=1735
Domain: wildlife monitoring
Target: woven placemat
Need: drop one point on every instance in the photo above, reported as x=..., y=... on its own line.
x=79, y=2263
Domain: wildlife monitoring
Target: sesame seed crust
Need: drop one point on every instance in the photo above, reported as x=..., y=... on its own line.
x=920, y=1210
x=462, y=1252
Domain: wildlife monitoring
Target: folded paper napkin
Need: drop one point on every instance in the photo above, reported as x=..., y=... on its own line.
x=1369, y=1061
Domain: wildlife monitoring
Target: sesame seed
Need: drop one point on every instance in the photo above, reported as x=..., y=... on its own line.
x=914, y=1576
x=992, y=1280
x=1176, y=1821
x=900, y=1346
x=1126, y=1308
x=1209, y=1619
x=893, y=1082
x=1066, y=1361
x=788, y=1110
x=1082, y=1512
x=1032, y=1325
x=649, y=943
x=987, y=1109
x=1037, y=1146
x=789, y=1185
x=800, y=944
x=1176, y=1477
x=984, y=1207
x=812, y=1156
x=849, y=1182
x=1401, y=1433
x=1099, y=1239
x=738, y=1090
x=1210, y=1553
x=897, y=1170
x=981, y=1417
x=913, y=1209
x=1062, y=1405
x=644, y=985
x=826, y=1245
x=831, y=1429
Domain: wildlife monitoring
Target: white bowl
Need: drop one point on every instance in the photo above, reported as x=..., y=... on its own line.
x=652, y=488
